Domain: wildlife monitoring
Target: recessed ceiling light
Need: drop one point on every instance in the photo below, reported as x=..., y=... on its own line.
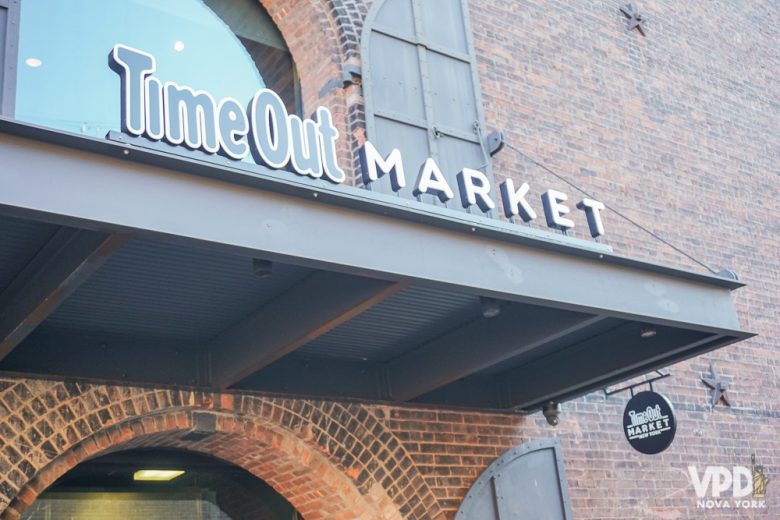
x=490, y=307
x=262, y=268
x=157, y=475
x=178, y=46
x=647, y=332
x=33, y=62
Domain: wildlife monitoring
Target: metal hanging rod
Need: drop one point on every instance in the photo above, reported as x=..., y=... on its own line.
x=649, y=381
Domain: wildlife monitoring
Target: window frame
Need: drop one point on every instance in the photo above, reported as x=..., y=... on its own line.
x=9, y=54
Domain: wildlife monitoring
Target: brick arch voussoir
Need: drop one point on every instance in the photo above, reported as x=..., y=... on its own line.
x=312, y=34
x=324, y=36
x=355, y=440
x=61, y=424
x=301, y=474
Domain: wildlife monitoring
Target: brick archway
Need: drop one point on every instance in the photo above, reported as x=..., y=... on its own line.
x=297, y=471
x=313, y=30
x=330, y=460
x=311, y=33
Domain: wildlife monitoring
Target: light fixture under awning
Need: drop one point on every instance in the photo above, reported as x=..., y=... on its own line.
x=157, y=475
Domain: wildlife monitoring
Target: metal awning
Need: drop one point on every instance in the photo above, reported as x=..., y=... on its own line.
x=128, y=264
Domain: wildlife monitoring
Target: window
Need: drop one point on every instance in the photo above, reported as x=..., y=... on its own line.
x=64, y=82
x=421, y=88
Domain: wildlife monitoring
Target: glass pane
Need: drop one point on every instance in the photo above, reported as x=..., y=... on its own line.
x=265, y=44
x=64, y=80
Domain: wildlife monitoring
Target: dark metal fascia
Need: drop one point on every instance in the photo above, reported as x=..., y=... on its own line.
x=354, y=198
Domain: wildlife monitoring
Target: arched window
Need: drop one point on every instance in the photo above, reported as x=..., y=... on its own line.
x=421, y=88
x=230, y=49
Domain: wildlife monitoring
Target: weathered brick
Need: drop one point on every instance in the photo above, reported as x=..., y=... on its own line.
x=678, y=129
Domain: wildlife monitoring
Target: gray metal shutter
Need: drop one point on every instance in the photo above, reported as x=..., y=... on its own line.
x=525, y=483
x=421, y=89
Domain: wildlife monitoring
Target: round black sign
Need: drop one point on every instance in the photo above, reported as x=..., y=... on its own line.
x=648, y=423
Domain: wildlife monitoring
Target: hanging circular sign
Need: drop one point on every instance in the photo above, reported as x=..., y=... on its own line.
x=649, y=423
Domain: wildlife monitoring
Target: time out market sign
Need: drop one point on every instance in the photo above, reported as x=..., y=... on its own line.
x=182, y=116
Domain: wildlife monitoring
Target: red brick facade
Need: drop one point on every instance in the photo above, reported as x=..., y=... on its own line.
x=678, y=129
x=330, y=460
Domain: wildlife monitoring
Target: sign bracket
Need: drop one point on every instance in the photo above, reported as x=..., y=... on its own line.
x=658, y=375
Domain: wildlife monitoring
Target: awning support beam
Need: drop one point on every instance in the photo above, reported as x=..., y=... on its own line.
x=308, y=310
x=59, y=268
x=480, y=345
x=538, y=382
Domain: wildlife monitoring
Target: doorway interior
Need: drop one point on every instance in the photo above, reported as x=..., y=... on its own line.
x=153, y=484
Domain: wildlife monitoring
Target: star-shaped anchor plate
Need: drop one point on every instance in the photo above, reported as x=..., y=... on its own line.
x=634, y=18
x=718, y=385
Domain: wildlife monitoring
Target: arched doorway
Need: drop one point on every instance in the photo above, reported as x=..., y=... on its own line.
x=165, y=484
x=303, y=474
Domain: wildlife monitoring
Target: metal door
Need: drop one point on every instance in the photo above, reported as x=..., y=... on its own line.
x=525, y=483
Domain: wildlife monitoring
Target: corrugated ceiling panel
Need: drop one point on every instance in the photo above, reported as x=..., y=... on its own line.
x=552, y=346
x=400, y=323
x=20, y=240
x=171, y=292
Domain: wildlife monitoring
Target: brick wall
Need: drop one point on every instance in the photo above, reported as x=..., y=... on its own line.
x=330, y=460
x=678, y=129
